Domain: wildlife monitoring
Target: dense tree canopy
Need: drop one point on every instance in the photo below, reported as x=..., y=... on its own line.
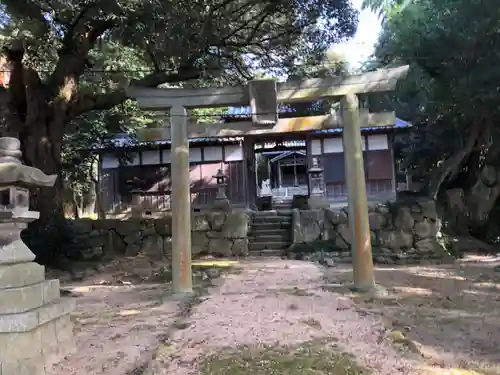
x=452, y=96
x=386, y=9
x=65, y=59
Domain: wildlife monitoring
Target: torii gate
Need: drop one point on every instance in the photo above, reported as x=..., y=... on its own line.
x=346, y=88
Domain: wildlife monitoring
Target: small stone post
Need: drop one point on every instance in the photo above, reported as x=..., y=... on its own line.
x=35, y=326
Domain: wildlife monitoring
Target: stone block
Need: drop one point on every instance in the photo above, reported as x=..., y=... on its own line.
x=64, y=329
x=240, y=247
x=216, y=220
x=220, y=246
x=377, y=221
x=48, y=338
x=152, y=247
x=29, y=320
x=404, y=220
x=56, y=310
x=19, y=300
x=22, y=345
x=199, y=222
x=236, y=225
x=64, y=344
x=32, y=351
x=15, y=252
x=31, y=366
x=37, y=349
x=308, y=226
x=17, y=275
x=426, y=229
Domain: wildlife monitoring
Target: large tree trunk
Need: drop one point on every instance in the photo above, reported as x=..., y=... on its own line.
x=37, y=120
x=43, y=151
x=469, y=208
x=483, y=195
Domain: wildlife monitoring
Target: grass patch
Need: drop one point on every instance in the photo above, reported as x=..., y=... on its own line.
x=298, y=292
x=181, y=324
x=315, y=358
x=313, y=323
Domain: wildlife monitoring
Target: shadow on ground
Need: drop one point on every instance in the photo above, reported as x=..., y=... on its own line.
x=451, y=312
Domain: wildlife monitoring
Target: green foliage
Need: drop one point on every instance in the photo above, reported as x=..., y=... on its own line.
x=386, y=9
x=448, y=243
x=452, y=85
x=321, y=65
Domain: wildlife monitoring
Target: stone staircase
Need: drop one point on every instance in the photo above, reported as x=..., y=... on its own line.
x=270, y=232
x=282, y=204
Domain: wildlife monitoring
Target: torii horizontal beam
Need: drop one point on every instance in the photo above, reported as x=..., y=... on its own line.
x=382, y=80
x=284, y=125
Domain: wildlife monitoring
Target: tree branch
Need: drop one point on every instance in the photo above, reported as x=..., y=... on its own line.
x=98, y=102
x=73, y=55
x=106, y=101
x=451, y=166
x=184, y=73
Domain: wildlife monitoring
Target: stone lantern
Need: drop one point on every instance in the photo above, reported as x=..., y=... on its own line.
x=35, y=325
x=317, y=198
x=316, y=178
x=221, y=202
x=220, y=179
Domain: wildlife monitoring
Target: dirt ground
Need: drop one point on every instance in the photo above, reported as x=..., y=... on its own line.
x=130, y=329
x=447, y=317
x=449, y=313
x=117, y=328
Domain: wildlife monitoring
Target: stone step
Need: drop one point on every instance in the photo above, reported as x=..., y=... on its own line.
x=271, y=226
x=269, y=238
x=287, y=203
x=287, y=212
x=282, y=207
x=272, y=219
x=280, y=245
x=254, y=232
x=268, y=253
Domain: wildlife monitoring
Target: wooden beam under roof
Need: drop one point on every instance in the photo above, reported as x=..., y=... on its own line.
x=296, y=124
x=382, y=80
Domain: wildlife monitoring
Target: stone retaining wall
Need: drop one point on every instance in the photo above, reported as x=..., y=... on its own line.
x=215, y=233
x=402, y=232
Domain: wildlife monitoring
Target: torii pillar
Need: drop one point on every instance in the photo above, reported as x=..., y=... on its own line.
x=361, y=247
x=182, y=276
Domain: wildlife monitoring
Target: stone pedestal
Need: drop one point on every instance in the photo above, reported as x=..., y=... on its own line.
x=221, y=204
x=35, y=326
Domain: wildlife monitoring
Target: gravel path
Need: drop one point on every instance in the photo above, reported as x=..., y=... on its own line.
x=271, y=301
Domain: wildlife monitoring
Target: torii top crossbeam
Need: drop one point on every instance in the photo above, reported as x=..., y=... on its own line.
x=382, y=80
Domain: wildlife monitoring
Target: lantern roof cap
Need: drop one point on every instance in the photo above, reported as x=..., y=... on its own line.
x=14, y=172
